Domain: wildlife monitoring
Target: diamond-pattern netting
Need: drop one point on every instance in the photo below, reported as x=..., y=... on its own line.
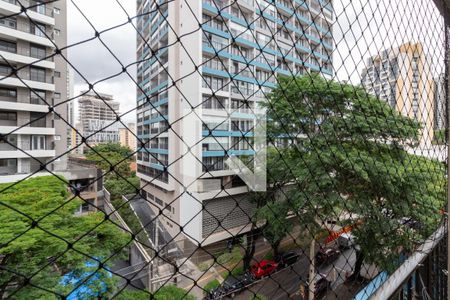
x=284, y=149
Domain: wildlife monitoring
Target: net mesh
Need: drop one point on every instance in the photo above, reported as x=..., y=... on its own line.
x=247, y=149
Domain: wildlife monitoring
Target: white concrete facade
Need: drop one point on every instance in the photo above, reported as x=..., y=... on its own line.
x=30, y=87
x=227, y=65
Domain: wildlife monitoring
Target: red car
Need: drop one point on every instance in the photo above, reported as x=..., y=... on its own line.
x=263, y=268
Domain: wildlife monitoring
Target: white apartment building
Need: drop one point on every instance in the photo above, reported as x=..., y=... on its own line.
x=222, y=70
x=98, y=118
x=401, y=76
x=33, y=86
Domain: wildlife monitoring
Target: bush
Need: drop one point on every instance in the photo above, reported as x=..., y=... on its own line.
x=211, y=285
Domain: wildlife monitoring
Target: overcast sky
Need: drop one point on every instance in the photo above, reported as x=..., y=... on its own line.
x=92, y=60
x=362, y=29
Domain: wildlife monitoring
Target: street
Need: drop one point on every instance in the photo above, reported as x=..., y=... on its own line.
x=286, y=283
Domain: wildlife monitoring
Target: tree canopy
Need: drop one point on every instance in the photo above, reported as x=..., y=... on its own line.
x=345, y=151
x=112, y=158
x=44, y=244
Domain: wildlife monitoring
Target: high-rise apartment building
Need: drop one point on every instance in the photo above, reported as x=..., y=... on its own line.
x=440, y=109
x=33, y=78
x=127, y=136
x=98, y=118
x=222, y=69
x=401, y=76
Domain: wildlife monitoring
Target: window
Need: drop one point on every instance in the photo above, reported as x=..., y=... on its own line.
x=37, y=97
x=8, y=22
x=8, y=46
x=8, y=162
x=38, y=29
x=8, y=116
x=38, y=142
x=159, y=201
x=37, y=51
x=5, y=70
x=56, y=11
x=37, y=74
x=8, y=94
x=38, y=119
x=57, y=74
x=40, y=7
x=57, y=31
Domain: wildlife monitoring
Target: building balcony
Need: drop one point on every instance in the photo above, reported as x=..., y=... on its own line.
x=26, y=153
x=7, y=129
x=26, y=83
x=26, y=33
x=39, y=13
x=20, y=106
x=26, y=60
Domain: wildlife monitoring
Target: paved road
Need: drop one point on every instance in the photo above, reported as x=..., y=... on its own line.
x=286, y=283
x=149, y=220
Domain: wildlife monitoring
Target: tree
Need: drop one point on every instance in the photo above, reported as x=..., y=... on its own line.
x=345, y=151
x=276, y=228
x=112, y=158
x=168, y=292
x=118, y=187
x=46, y=248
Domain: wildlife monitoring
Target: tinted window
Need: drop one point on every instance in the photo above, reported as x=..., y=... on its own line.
x=8, y=46
x=37, y=51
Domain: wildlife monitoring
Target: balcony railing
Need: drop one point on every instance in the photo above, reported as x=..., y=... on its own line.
x=33, y=6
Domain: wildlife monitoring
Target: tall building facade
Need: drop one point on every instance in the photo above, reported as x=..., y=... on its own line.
x=440, y=109
x=98, y=118
x=127, y=136
x=32, y=79
x=402, y=77
x=222, y=71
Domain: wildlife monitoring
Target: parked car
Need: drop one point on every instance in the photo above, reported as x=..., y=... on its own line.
x=231, y=286
x=346, y=241
x=321, y=285
x=263, y=268
x=286, y=259
x=327, y=255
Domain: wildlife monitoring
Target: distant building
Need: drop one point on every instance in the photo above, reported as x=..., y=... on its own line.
x=127, y=136
x=401, y=76
x=98, y=118
x=75, y=139
x=440, y=111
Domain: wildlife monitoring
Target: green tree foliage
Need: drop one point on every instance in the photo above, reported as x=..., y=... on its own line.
x=168, y=292
x=439, y=137
x=119, y=187
x=112, y=155
x=42, y=240
x=211, y=285
x=345, y=151
x=171, y=292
